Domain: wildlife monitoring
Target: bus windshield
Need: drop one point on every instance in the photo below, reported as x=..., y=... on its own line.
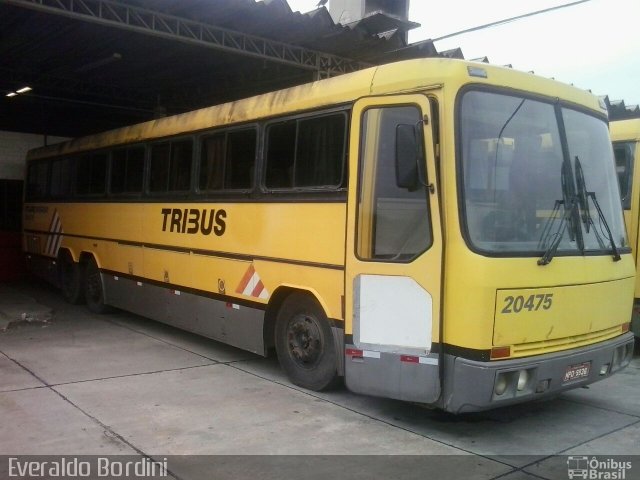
x=524, y=193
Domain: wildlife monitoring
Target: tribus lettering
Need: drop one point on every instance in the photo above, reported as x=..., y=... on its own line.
x=192, y=220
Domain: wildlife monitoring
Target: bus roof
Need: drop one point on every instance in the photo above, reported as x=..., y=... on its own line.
x=625, y=129
x=399, y=77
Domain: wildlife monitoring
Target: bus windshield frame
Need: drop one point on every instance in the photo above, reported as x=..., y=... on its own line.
x=535, y=175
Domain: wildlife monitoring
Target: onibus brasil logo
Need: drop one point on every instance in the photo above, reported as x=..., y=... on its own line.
x=594, y=468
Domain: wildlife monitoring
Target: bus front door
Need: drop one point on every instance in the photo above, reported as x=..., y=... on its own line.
x=394, y=251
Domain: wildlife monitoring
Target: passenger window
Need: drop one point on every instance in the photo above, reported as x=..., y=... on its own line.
x=320, y=151
x=61, y=178
x=171, y=166
x=306, y=153
x=91, y=173
x=127, y=168
x=37, y=180
x=227, y=160
x=281, y=140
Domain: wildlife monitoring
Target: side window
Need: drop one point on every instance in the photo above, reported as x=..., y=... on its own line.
x=393, y=221
x=280, y=157
x=60, y=178
x=320, y=151
x=171, y=166
x=306, y=153
x=91, y=173
x=624, y=152
x=228, y=160
x=127, y=168
x=37, y=176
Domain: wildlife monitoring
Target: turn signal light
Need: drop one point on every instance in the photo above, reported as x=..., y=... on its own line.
x=626, y=327
x=500, y=352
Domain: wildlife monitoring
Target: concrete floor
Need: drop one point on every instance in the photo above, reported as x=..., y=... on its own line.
x=76, y=383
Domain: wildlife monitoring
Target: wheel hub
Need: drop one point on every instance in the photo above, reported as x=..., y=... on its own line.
x=305, y=340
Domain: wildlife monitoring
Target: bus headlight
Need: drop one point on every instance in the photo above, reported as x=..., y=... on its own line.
x=523, y=379
x=501, y=384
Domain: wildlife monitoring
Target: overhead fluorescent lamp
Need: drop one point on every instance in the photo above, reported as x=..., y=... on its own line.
x=11, y=94
x=24, y=90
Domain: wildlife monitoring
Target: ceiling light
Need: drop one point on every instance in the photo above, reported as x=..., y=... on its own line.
x=11, y=94
x=24, y=90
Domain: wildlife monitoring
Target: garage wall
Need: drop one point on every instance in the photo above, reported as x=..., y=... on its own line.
x=13, y=149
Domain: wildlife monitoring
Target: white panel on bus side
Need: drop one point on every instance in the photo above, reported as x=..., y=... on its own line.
x=392, y=314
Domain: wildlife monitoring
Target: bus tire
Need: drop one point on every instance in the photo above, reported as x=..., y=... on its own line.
x=94, y=289
x=71, y=283
x=305, y=344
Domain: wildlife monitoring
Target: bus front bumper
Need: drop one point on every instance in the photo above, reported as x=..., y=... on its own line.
x=474, y=386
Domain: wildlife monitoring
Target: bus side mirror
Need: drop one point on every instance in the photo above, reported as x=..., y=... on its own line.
x=408, y=155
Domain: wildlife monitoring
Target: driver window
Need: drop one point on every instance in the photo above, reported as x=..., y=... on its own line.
x=393, y=222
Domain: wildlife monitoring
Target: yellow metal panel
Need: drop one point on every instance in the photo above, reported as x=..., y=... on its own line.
x=553, y=345
x=294, y=231
x=543, y=314
x=327, y=285
x=625, y=130
x=472, y=281
x=300, y=245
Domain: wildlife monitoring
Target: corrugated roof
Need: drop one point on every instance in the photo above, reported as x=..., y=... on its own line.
x=109, y=73
x=618, y=110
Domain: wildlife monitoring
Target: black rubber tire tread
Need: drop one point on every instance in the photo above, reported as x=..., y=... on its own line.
x=71, y=279
x=322, y=374
x=94, y=289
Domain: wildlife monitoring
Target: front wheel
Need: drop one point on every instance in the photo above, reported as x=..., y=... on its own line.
x=94, y=289
x=305, y=345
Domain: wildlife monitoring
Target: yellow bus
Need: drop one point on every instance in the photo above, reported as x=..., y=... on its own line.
x=625, y=135
x=434, y=230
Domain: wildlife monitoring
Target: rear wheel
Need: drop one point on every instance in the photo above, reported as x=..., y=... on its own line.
x=94, y=289
x=304, y=343
x=70, y=279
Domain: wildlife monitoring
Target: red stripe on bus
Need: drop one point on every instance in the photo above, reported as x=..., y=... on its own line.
x=245, y=279
x=258, y=289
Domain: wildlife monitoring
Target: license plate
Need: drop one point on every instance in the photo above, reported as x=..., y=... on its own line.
x=576, y=372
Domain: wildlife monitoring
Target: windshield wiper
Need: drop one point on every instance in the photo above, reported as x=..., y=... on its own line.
x=557, y=236
x=569, y=202
x=583, y=196
x=583, y=203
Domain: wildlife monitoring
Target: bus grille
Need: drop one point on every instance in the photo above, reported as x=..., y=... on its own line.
x=546, y=346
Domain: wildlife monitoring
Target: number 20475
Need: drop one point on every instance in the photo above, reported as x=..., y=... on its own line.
x=532, y=303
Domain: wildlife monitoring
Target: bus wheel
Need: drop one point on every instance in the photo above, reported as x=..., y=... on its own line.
x=94, y=289
x=70, y=279
x=304, y=343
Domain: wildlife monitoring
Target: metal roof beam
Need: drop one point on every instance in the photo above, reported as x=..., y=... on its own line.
x=77, y=87
x=136, y=19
